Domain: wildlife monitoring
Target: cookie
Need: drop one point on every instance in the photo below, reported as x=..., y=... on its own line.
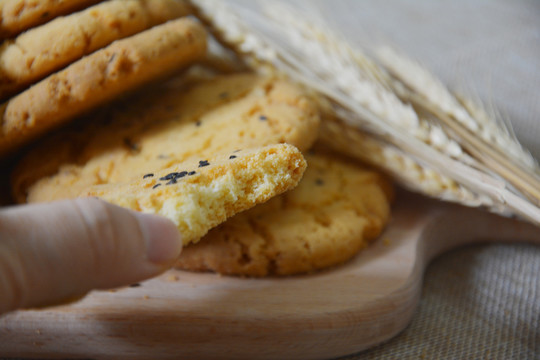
x=335, y=211
x=19, y=15
x=99, y=77
x=199, y=195
x=44, y=49
x=167, y=124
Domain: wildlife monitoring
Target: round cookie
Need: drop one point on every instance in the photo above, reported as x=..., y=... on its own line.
x=335, y=211
x=100, y=77
x=19, y=15
x=41, y=50
x=164, y=126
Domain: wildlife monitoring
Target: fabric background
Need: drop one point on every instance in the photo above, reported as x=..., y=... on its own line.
x=478, y=302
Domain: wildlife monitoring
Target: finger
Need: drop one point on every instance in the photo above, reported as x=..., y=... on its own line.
x=55, y=251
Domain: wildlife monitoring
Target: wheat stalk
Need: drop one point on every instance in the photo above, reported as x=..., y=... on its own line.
x=379, y=114
x=490, y=142
x=401, y=166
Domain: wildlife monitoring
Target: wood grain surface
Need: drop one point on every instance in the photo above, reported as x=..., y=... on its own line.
x=318, y=316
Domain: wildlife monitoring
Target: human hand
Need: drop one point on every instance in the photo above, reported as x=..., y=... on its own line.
x=57, y=251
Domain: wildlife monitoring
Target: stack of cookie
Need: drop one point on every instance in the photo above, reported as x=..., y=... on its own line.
x=201, y=147
x=55, y=71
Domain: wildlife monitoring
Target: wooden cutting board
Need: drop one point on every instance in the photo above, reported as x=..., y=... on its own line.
x=319, y=316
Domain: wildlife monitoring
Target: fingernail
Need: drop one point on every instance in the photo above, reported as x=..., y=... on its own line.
x=163, y=240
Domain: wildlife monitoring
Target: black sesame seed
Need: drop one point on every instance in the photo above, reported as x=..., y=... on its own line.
x=135, y=285
x=168, y=176
x=223, y=95
x=171, y=182
x=45, y=14
x=192, y=173
x=198, y=123
x=203, y=163
x=319, y=181
x=232, y=157
x=235, y=151
x=162, y=156
x=148, y=175
x=155, y=186
x=262, y=118
x=174, y=176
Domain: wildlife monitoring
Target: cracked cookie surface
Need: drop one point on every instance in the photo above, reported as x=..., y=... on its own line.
x=19, y=15
x=167, y=125
x=39, y=51
x=334, y=212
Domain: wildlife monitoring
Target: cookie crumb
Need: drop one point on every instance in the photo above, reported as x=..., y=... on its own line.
x=172, y=278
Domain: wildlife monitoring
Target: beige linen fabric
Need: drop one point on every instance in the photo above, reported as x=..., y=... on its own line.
x=478, y=302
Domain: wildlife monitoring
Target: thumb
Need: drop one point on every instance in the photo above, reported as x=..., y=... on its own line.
x=55, y=251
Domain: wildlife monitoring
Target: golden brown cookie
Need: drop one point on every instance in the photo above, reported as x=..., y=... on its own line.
x=19, y=15
x=199, y=195
x=99, y=77
x=44, y=49
x=335, y=211
x=163, y=126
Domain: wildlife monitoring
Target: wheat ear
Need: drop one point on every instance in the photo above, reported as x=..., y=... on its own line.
x=488, y=139
x=369, y=100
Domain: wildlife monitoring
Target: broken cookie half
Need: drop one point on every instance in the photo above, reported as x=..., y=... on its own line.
x=198, y=196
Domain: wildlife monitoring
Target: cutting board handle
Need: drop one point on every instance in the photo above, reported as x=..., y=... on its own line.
x=447, y=226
